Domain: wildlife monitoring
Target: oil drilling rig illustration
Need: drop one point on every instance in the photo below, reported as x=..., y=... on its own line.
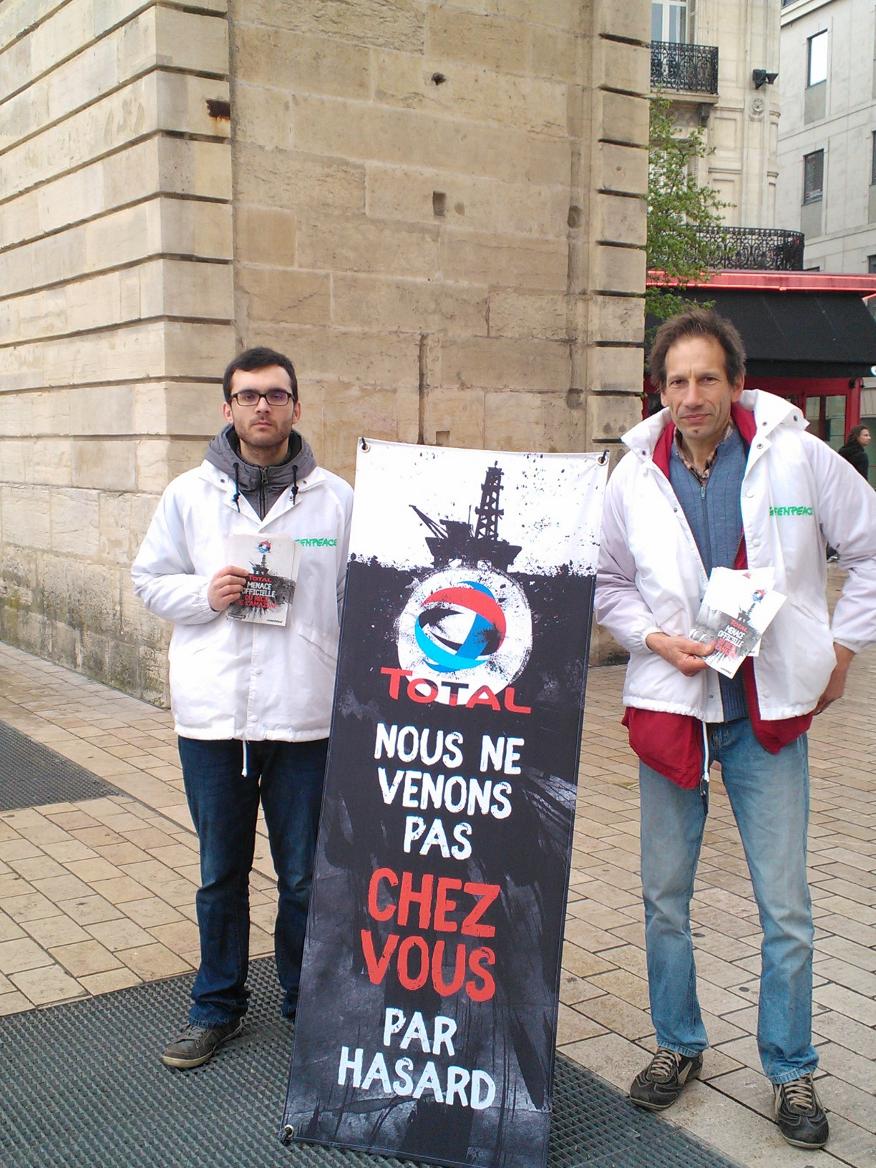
x=455, y=542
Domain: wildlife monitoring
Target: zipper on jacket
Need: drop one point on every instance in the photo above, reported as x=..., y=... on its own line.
x=263, y=498
x=707, y=531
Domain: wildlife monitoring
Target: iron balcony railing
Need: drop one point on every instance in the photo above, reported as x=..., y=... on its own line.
x=763, y=249
x=684, y=68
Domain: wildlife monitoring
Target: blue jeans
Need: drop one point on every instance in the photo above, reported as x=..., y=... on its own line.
x=769, y=795
x=287, y=777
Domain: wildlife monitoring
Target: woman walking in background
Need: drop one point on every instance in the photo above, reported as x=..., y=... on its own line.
x=855, y=449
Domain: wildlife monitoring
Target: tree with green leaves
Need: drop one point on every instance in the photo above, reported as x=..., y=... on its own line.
x=683, y=216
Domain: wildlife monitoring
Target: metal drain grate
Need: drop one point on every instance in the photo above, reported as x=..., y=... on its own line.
x=32, y=775
x=82, y=1087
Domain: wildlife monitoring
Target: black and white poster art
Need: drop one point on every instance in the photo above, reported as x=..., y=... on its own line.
x=427, y=1020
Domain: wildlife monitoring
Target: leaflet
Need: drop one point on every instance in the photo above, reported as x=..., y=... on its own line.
x=273, y=569
x=735, y=612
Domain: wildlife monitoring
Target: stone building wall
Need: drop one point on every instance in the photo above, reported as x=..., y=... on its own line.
x=837, y=117
x=116, y=286
x=741, y=127
x=434, y=208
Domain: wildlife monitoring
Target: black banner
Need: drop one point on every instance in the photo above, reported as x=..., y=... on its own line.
x=427, y=1019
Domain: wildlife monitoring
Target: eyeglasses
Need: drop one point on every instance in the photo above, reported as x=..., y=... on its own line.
x=251, y=397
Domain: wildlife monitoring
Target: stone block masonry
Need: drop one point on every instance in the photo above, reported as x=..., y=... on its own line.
x=463, y=185
x=116, y=303
x=437, y=210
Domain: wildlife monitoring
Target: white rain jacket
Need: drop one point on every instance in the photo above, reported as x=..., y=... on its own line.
x=796, y=492
x=233, y=679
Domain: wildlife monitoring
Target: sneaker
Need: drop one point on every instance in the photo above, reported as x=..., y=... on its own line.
x=197, y=1044
x=662, y=1081
x=800, y=1116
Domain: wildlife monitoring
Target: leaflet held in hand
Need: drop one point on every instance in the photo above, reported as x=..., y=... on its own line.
x=736, y=609
x=272, y=564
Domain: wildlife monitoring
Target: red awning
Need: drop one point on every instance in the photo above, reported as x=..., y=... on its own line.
x=863, y=286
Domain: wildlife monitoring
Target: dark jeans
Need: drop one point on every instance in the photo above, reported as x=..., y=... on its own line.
x=287, y=777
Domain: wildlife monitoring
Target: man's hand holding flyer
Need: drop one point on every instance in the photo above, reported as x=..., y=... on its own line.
x=736, y=609
x=270, y=584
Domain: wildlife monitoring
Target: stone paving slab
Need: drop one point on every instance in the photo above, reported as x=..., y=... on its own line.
x=98, y=895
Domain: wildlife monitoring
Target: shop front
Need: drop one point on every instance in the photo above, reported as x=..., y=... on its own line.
x=809, y=337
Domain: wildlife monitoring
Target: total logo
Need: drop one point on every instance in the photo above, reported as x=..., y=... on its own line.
x=464, y=635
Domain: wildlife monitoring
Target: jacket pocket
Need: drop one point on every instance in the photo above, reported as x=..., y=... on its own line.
x=801, y=642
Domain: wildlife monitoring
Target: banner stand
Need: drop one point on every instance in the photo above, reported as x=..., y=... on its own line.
x=427, y=1019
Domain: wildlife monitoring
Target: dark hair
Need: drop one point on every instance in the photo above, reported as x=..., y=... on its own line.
x=259, y=358
x=855, y=434
x=697, y=322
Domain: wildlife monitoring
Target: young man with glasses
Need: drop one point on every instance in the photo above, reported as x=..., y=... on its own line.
x=251, y=700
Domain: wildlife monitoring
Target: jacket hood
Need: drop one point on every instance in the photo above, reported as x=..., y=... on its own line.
x=224, y=453
x=260, y=485
x=769, y=410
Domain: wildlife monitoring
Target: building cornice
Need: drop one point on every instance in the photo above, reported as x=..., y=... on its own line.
x=800, y=8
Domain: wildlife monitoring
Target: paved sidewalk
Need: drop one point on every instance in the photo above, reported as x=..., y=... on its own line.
x=99, y=895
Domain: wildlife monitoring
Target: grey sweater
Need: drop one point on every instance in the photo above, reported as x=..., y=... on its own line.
x=714, y=512
x=261, y=485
